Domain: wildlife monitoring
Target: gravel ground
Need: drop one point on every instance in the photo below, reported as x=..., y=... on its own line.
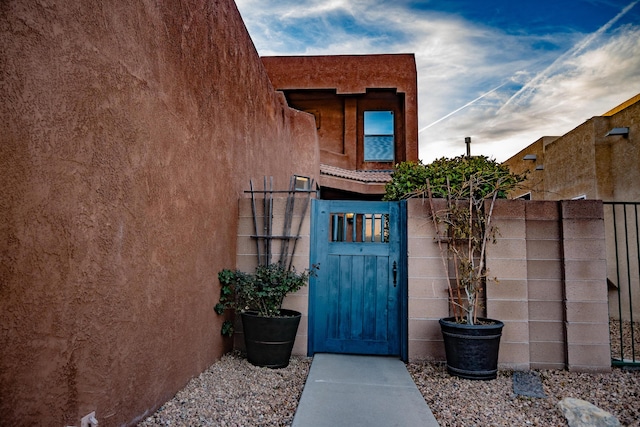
x=234, y=393
x=459, y=402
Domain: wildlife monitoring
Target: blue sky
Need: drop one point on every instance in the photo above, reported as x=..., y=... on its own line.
x=504, y=73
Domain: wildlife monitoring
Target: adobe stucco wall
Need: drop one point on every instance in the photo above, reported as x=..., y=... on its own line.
x=129, y=131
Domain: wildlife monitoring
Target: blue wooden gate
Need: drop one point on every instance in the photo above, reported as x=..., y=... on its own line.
x=358, y=301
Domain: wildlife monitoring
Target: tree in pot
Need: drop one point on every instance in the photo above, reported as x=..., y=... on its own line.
x=469, y=187
x=269, y=330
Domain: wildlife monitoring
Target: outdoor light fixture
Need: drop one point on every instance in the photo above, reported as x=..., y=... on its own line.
x=624, y=132
x=302, y=183
x=530, y=157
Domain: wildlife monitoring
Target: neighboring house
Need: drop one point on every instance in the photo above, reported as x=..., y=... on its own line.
x=597, y=160
x=365, y=107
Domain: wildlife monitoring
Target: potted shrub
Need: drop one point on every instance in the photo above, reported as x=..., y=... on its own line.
x=269, y=330
x=469, y=187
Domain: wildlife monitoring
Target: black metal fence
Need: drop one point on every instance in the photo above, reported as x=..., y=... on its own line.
x=622, y=225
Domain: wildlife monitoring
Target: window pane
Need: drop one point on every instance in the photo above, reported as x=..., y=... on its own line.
x=378, y=136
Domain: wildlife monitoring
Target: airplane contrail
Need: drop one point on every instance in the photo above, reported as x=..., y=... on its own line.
x=530, y=86
x=463, y=107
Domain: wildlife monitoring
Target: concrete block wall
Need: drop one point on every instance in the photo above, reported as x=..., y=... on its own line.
x=507, y=286
x=547, y=282
x=585, y=269
x=545, y=286
x=247, y=256
x=427, y=276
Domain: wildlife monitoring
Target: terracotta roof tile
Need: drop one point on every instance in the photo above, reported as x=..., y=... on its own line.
x=357, y=175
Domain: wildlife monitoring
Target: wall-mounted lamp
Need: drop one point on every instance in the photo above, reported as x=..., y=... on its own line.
x=302, y=183
x=530, y=157
x=624, y=132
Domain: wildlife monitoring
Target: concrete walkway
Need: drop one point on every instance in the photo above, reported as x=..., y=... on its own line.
x=368, y=391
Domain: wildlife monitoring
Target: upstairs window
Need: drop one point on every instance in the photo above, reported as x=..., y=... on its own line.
x=378, y=136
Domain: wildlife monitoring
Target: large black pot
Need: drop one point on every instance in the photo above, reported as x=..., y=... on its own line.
x=472, y=350
x=269, y=340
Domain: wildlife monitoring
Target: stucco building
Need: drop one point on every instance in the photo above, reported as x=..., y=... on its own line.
x=130, y=134
x=365, y=109
x=597, y=160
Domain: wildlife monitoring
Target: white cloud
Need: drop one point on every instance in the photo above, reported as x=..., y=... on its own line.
x=458, y=61
x=583, y=86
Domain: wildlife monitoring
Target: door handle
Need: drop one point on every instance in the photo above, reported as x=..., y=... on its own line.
x=395, y=273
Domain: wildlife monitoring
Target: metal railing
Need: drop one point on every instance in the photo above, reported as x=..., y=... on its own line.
x=622, y=225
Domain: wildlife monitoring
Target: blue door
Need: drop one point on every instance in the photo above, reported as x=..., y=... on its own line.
x=357, y=303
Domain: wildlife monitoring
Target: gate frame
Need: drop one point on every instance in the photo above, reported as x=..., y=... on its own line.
x=403, y=282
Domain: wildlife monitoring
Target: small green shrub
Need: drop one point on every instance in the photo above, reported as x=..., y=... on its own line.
x=262, y=291
x=448, y=176
x=470, y=186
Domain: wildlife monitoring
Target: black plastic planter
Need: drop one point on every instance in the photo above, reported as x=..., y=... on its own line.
x=472, y=350
x=269, y=340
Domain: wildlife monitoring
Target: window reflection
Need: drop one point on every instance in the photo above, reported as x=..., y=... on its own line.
x=378, y=136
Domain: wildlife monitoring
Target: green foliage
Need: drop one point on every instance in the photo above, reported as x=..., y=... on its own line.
x=409, y=179
x=227, y=328
x=262, y=291
x=452, y=176
x=470, y=186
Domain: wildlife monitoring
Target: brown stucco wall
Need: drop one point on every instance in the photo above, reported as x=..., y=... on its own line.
x=129, y=131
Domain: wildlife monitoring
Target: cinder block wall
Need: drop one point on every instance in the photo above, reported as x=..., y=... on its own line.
x=427, y=276
x=507, y=285
x=545, y=285
x=585, y=269
x=247, y=257
x=547, y=282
